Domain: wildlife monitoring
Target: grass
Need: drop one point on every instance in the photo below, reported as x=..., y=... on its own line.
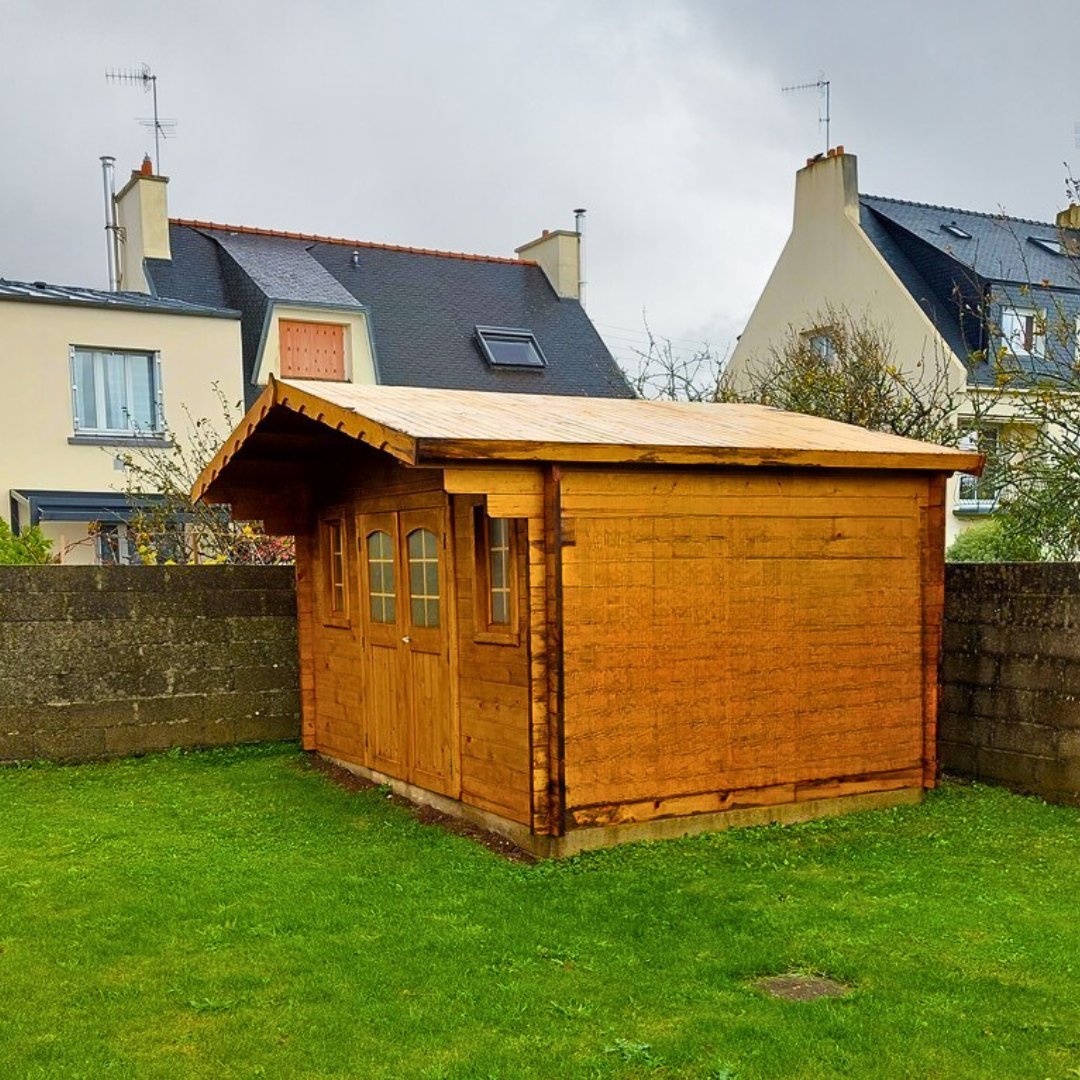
x=233, y=914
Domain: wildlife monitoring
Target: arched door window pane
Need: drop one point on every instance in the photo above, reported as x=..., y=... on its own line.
x=423, y=547
x=380, y=557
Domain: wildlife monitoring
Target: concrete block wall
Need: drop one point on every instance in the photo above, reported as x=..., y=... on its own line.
x=98, y=662
x=1010, y=696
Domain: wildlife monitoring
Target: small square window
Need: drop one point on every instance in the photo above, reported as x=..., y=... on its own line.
x=820, y=341
x=504, y=347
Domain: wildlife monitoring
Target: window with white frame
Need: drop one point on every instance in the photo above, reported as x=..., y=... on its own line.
x=820, y=342
x=116, y=393
x=1023, y=332
x=979, y=493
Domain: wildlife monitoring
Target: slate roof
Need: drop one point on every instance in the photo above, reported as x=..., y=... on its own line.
x=422, y=306
x=949, y=275
x=1000, y=248
x=76, y=296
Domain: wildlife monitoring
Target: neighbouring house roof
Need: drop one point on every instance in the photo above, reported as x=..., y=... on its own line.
x=422, y=425
x=41, y=292
x=941, y=311
x=422, y=306
x=1000, y=248
x=951, y=261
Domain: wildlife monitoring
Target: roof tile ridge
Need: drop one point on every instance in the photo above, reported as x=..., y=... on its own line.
x=998, y=216
x=252, y=230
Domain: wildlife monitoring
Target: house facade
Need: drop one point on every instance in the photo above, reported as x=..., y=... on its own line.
x=951, y=288
x=87, y=376
x=201, y=305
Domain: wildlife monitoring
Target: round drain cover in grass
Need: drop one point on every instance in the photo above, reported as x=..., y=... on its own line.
x=802, y=987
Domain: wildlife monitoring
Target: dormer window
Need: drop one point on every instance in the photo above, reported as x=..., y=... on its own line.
x=312, y=350
x=954, y=230
x=1023, y=332
x=503, y=347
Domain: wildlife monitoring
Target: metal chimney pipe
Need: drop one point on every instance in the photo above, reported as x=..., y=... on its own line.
x=107, y=165
x=579, y=228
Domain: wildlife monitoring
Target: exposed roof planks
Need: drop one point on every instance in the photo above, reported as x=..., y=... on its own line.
x=426, y=426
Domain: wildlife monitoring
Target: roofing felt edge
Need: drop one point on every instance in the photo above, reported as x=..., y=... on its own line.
x=101, y=299
x=252, y=230
x=413, y=450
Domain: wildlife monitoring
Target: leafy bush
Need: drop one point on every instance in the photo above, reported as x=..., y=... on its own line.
x=989, y=541
x=26, y=549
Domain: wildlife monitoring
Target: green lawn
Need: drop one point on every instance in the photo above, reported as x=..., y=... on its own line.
x=234, y=914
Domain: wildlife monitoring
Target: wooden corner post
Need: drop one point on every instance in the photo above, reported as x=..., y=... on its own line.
x=932, y=542
x=545, y=662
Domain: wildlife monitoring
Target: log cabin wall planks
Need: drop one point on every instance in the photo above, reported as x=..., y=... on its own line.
x=739, y=631
x=489, y=683
x=494, y=682
x=729, y=626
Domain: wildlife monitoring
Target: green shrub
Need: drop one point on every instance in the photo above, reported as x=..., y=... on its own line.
x=989, y=541
x=28, y=548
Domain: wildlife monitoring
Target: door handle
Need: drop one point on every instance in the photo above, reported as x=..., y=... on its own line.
x=406, y=639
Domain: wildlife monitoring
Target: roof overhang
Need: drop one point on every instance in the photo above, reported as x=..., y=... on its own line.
x=453, y=426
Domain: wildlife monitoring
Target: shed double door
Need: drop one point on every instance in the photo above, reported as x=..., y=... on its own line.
x=407, y=704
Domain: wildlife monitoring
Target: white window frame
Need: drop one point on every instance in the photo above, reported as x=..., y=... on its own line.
x=157, y=394
x=1038, y=338
x=820, y=341
x=973, y=441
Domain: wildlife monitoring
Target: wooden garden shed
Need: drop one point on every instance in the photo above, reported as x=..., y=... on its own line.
x=578, y=621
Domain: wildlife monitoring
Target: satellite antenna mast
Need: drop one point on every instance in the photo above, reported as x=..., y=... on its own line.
x=145, y=78
x=824, y=88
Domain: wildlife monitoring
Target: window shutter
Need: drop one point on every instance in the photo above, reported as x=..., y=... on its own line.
x=159, y=393
x=74, y=390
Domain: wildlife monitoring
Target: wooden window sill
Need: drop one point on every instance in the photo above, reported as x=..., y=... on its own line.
x=338, y=622
x=496, y=637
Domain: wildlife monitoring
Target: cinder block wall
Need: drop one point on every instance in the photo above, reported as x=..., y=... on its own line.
x=1010, y=703
x=101, y=661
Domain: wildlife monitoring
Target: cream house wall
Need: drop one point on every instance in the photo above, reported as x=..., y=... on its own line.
x=829, y=260
x=36, y=409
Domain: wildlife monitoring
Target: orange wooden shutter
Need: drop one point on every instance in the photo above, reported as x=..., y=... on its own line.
x=311, y=350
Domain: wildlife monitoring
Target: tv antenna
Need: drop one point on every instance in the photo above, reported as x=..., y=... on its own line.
x=824, y=88
x=145, y=78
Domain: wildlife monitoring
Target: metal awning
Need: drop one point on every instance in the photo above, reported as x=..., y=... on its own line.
x=29, y=508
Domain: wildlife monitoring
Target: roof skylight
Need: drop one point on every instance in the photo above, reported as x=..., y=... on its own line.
x=1055, y=247
x=504, y=347
x=954, y=230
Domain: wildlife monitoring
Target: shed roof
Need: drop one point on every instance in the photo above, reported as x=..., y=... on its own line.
x=420, y=425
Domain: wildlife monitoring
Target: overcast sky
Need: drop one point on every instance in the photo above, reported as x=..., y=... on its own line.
x=473, y=124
